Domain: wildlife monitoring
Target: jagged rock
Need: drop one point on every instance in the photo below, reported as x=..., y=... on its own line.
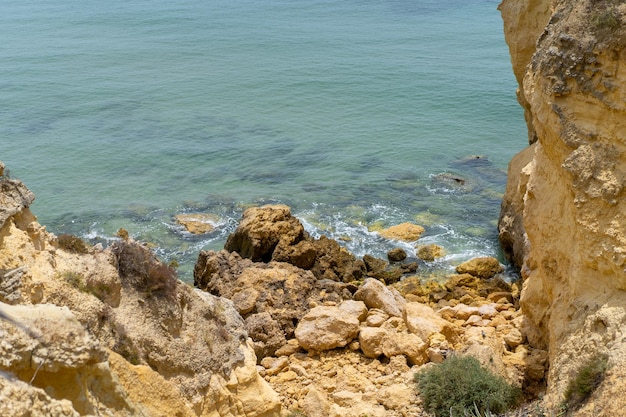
x=334, y=262
x=430, y=252
x=303, y=254
x=483, y=267
x=376, y=295
x=327, y=327
x=15, y=197
x=266, y=334
x=261, y=229
x=18, y=398
x=271, y=233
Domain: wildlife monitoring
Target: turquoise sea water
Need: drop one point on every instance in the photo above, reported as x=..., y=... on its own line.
x=354, y=113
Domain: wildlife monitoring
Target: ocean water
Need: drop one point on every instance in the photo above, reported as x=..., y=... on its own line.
x=357, y=113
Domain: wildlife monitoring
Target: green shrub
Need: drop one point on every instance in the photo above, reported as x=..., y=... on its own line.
x=72, y=244
x=588, y=377
x=140, y=268
x=460, y=386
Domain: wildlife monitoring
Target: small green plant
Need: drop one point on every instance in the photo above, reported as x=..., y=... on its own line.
x=588, y=377
x=459, y=387
x=73, y=278
x=72, y=244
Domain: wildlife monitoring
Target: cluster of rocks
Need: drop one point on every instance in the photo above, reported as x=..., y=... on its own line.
x=302, y=306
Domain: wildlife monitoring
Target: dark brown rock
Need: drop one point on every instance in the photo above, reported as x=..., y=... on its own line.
x=396, y=255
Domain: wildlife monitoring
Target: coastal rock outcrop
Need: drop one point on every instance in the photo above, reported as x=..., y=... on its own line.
x=92, y=331
x=564, y=212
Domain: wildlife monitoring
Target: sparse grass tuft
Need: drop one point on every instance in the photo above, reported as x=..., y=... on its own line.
x=141, y=269
x=72, y=244
x=460, y=387
x=588, y=377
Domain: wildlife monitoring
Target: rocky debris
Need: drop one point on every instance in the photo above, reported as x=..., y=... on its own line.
x=430, y=252
x=424, y=322
x=343, y=382
x=484, y=267
x=407, y=232
x=389, y=274
x=197, y=223
x=376, y=295
x=272, y=297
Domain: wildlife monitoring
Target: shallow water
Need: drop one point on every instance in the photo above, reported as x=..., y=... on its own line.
x=125, y=114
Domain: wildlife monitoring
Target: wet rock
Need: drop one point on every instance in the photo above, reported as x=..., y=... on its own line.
x=197, y=223
x=430, y=252
x=407, y=232
x=334, y=262
x=374, y=265
x=396, y=255
x=483, y=267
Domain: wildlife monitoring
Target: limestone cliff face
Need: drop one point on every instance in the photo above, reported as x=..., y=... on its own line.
x=564, y=212
x=92, y=331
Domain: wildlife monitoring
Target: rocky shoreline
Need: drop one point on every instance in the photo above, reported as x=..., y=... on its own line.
x=284, y=322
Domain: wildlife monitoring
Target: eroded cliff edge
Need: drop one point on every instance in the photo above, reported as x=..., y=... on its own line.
x=563, y=215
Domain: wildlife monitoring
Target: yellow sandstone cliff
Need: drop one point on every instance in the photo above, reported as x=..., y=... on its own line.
x=564, y=212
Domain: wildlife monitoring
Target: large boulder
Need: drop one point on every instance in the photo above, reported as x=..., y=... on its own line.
x=327, y=327
x=376, y=295
x=424, y=322
x=482, y=267
x=261, y=229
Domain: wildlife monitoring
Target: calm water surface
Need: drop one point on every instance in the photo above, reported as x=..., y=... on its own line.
x=354, y=113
